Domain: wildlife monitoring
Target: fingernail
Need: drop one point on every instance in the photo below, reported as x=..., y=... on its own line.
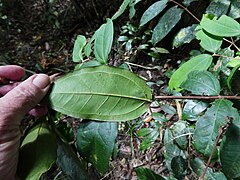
x=41, y=81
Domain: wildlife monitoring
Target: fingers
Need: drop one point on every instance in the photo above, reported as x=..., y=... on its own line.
x=6, y=88
x=38, y=111
x=12, y=72
x=20, y=100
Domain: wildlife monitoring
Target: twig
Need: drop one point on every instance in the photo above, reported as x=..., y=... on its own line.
x=180, y=5
x=137, y=65
x=232, y=43
x=197, y=97
x=221, y=131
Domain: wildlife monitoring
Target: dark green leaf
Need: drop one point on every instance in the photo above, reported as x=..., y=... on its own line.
x=224, y=26
x=234, y=9
x=87, y=64
x=96, y=141
x=149, y=136
x=146, y=174
x=233, y=80
x=218, y=7
x=207, y=126
x=153, y=11
x=193, y=109
x=132, y=9
x=188, y=2
x=38, y=152
x=198, y=167
x=200, y=62
x=180, y=133
x=229, y=152
x=77, y=49
x=101, y=93
x=202, y=83
x=69, y=163
x=166, y=23
x=103, y=42
x=185, y=35
x=171, y=149
x=179, y=166
x=159, y=117
x=209, y=42
x=121, y=9
x=168, y=109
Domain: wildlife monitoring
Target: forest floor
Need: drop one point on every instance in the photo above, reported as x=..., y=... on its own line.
x=42, y=42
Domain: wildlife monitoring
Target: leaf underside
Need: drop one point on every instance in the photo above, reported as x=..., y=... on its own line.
x=101, y=93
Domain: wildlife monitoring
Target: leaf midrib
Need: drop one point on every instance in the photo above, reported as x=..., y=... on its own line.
x=104, y=94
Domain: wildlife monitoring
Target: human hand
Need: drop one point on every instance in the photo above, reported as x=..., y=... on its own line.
x=17, y=99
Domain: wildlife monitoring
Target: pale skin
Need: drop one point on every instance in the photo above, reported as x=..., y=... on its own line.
x=17, y=100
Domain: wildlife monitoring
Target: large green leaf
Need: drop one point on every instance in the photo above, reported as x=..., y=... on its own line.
x=209, y=42
x=229, y=152
x=224, y=26
x=69, y=163
x=78, y=47
x=207, y=126
x=200, y=62
x=153, y=11
x=37, y=153
x=166, y=23
x=202, y=83
x=234, y=9
x=218, y=7
x=185, y=35
x=121, y=9
x=95, y=142
x=145, y=174
x=101, y=93
x=198, y=167
x=103, y=41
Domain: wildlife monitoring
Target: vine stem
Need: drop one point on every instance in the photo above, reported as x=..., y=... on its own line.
x=197, y=97
x=180, y=5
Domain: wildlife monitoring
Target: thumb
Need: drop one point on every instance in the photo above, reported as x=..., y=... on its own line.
x=19, y=101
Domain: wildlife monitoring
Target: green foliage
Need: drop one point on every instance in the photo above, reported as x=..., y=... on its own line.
x=37, y=153
x=224, y=26
x=200, y=62
x=185, y=35
x=198, y=167
x=78, y=47
x=106, y=93
x=207, y=126
x=193, y=109
x=145, y=174
x=209, y=42
x=69, y=163
x=100, y=93
x=179, y=166
x=96, y=141
x=166, y=23
x=153, y=11
x=202, y=83
x=103, y=42
x=229, y=154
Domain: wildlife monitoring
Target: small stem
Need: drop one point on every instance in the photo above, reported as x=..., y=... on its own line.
x=185, y=10
x=232, y=43
x=198, y=97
